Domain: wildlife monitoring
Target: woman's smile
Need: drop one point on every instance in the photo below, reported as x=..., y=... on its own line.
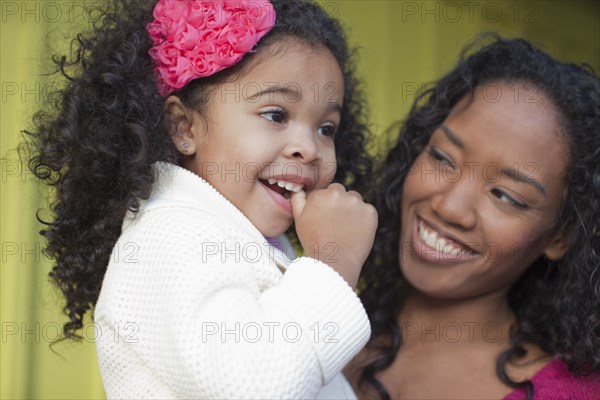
x=439, y=248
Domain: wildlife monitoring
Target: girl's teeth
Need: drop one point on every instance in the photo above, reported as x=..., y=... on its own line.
x=290, y=186
x=432, y=240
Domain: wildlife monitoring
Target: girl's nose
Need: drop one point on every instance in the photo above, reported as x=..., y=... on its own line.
x=455, y=204
x=303, y=146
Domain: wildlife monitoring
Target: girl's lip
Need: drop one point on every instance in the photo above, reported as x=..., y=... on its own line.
x=308, y=183
x=436, y=255
x=279, y=199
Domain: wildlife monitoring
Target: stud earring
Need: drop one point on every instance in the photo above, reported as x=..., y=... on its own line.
x=185, y=146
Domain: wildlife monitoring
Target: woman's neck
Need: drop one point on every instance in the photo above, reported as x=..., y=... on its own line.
x=484, y=318
x=450, y=348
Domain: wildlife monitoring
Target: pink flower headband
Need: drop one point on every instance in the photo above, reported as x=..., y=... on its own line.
x=195, y=38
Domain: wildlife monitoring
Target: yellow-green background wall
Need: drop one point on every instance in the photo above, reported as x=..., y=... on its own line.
x=403, y=45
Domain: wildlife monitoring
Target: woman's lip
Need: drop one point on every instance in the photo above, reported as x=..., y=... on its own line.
x=433, y=227
x=279, y=199
x=436, y=256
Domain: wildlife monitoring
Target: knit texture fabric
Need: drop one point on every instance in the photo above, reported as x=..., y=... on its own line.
x=555, y=382
x=194, y=304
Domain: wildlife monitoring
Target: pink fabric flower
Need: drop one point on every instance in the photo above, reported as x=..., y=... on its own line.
x=157, y=31
x=203, y=65
x=198, y=38
x=166, y=53
x=187, y=37
x=180, y=72
x=171, y=10
x=225, y=54
x=241, y=38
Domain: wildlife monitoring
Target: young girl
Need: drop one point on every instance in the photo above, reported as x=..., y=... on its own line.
x=484, y=281
x=175, y=150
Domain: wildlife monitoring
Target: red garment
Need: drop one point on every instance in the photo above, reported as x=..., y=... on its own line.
x=556, y=382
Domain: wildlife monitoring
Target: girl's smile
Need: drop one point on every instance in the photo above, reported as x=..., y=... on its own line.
x=280, y=188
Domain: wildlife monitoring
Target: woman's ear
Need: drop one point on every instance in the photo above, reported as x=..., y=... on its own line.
x=182, y=128
x=558, y=246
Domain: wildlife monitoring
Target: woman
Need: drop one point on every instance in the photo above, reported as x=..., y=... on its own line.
x=489, y=206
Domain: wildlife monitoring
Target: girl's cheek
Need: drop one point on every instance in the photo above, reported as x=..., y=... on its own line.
x=330, y=170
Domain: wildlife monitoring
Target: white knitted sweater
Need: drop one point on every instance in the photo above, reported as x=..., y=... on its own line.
x=194, y=304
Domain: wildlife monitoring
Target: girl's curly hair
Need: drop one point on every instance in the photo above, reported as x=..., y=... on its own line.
x=557, y=306
x=97, y=142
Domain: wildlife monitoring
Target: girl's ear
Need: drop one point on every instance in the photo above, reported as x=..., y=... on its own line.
x=558, y=246
x=183, y=125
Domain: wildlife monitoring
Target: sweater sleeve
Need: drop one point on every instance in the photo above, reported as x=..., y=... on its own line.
x=215, y=318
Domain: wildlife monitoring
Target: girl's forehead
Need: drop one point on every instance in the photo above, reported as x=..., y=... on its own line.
x=284, y=47
x=296, y=64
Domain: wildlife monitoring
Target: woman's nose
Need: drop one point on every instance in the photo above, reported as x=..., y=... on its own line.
x=455, y=204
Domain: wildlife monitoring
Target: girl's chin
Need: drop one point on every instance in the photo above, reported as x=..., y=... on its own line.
x=272, y=232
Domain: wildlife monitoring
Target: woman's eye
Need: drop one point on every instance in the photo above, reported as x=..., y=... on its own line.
x=327, y=130
x=439, y=156
x=504, y=197
x=276, y=115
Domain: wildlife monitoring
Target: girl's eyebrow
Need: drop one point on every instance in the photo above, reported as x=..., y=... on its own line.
x=515, y=174
x=289, y=91
x=335, y=106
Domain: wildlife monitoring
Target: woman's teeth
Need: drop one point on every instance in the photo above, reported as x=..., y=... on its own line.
x=433, y=240
x=292, y=187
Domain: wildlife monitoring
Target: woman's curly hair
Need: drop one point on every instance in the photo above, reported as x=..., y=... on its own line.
x=97, y=142
x=557, y=304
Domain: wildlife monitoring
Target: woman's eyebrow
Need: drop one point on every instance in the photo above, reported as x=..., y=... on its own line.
x=521, y=177
x=453, y=137
x=517, y=175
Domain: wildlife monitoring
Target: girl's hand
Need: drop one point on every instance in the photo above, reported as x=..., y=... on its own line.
x=335, y=227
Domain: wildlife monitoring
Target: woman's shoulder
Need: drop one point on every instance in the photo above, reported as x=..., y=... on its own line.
x=556, y=382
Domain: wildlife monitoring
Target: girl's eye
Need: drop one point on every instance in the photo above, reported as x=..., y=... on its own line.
x=504, y=197
x=327, y=130
x=276, y=115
